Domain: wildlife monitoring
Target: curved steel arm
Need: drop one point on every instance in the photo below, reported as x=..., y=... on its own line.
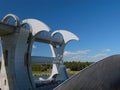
x=67, y=36
x=36, y=25
x=7, y=17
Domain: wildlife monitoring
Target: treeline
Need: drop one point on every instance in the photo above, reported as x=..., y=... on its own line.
x=76, y=66
x=73, y=66
x=42, y=67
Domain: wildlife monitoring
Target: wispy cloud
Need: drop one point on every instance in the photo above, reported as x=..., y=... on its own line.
x=34, y=46
x=84, y=58
x=106, y=50
x=68, y=53
x=86, y=55
x=98, y=57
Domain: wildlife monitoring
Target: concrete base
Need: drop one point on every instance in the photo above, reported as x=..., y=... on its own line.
x=103, y=75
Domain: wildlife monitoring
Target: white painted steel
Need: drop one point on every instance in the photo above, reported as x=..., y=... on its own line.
x=8, y=16
x=58, y=52
x=68, y=36
x=14, y=47
x=16, y=71
x=36, y=25
x=6, y=29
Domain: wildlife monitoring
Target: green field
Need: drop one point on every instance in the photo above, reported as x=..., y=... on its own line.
x=74, y=67
x=49, y=72
x=40, y=72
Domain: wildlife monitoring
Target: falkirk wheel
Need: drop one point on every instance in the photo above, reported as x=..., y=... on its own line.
x=17, y=42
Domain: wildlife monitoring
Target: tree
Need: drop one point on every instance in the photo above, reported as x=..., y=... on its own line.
x=76, y=66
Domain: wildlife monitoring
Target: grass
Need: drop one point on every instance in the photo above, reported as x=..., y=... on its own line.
x=49, y=72
x=40, y=72
x=72, y=72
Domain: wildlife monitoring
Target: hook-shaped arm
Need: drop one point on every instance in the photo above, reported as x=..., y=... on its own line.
x=67, y=36
x=7, y=17
x=36, y=25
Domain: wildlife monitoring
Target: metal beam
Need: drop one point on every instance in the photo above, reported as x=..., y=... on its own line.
x=49, y=39
x=6, y=29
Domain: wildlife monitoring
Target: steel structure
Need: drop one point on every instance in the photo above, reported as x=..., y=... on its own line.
x=17, y=42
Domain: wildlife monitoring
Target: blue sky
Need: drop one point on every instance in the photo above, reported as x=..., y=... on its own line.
x=95, y=22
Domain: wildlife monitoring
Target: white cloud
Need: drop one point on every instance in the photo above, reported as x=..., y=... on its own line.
x=34, y=46
x=68, y=53
x=84, y=58
x=99, y=56
x=106, y=50
x=86, y=55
